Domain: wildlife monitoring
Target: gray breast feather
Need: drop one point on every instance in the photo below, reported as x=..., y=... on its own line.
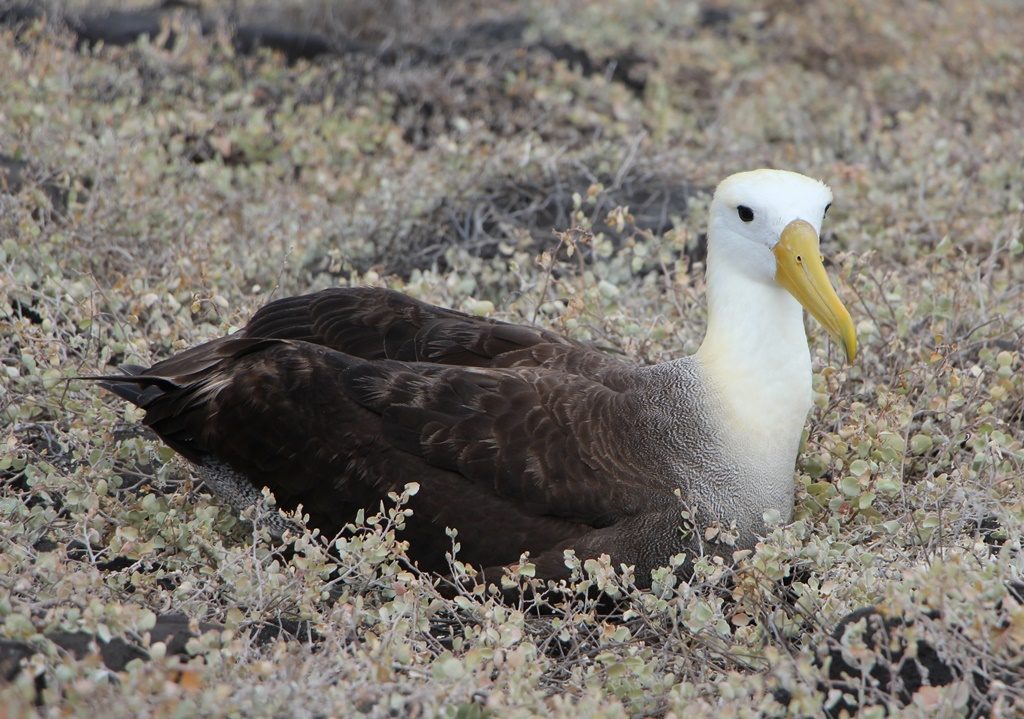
x=682, y=442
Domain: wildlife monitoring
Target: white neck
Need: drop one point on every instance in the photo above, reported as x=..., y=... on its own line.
x=755, y=355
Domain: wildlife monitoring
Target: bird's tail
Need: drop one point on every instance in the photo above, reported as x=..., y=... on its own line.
x=133, y=385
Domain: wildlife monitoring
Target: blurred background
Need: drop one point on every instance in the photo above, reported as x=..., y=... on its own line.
x=397, y=135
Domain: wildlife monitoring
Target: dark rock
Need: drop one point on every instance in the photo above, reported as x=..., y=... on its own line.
x=13, y=654
x=16, y=174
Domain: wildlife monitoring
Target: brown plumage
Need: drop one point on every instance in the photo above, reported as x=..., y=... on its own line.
x=335, y=399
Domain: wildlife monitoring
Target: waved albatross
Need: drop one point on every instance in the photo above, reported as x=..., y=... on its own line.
x=520, y=439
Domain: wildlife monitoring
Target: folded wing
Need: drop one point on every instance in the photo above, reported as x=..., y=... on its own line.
x=333, y=401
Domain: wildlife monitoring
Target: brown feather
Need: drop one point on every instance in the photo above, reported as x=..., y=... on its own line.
x=334, y=399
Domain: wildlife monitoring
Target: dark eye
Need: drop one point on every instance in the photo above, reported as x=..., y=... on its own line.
x=745, y=213
x=825, y=213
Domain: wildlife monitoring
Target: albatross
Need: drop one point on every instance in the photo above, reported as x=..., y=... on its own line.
x=520, y=439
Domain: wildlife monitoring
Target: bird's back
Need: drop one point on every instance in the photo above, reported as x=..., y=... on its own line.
x=517, y=436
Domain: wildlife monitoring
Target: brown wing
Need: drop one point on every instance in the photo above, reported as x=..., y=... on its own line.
x=525, y=455
x=543, y=439
x=373, y=323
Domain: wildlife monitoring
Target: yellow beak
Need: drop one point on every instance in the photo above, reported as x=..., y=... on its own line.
x=799, y=268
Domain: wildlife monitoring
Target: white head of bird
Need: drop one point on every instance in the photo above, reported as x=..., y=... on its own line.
x=764, y=266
